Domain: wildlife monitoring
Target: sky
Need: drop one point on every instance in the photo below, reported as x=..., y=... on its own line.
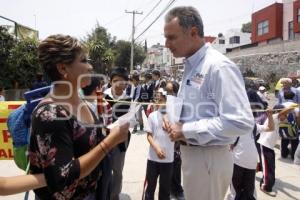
x=79, y=17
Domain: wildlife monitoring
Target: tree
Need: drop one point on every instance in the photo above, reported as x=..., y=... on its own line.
x=122, y=51
x=7, y=42
x=99, y=44
x=246, y=28
x=23, y=62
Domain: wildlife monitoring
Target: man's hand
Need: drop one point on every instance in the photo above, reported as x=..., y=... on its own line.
x=176, y=132
x=166, y=124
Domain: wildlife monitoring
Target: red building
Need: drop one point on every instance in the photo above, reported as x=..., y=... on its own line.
x=279, y=21
x=296, y=16
x=267, y=23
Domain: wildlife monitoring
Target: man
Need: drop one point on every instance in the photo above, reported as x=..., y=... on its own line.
x=215, y=111
x=263, y=94
x=156, y=79
x=287, y=86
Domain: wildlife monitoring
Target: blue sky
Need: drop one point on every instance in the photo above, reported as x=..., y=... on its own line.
x=77, y=18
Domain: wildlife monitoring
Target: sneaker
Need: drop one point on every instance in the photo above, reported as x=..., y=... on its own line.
x=173, y=197
x=270, y=193
x=180, y=196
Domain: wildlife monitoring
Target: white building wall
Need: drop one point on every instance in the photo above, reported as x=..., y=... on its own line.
x=287, y=17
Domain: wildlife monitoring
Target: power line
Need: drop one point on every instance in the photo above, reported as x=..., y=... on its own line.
x=162, y=12
x=149, y=12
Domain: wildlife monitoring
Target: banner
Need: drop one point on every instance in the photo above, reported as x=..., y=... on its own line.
x=6, y=107
x=23, y=32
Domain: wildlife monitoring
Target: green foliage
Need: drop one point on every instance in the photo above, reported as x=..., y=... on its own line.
x=23, y=62
x=99, y=44
x=246, y=28
x=104, y=51
x=7, y=42
x=123, y=50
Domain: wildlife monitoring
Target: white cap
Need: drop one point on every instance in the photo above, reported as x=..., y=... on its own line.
x=162, y=91
x=261, y=88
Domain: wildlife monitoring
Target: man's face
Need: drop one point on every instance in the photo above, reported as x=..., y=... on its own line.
x=178, y=40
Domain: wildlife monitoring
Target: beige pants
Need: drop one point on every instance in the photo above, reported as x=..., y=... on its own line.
x=207, y=172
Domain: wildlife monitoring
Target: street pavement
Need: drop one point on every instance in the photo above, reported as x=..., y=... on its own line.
x=287, y=174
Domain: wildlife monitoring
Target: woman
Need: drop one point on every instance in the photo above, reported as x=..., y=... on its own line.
x=66, y=144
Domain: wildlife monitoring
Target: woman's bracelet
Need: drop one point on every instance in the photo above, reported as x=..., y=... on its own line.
x=106, y=146
x=102, y=148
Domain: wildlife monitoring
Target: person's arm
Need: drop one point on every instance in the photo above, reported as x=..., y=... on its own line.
x=160, y=153
x=270, y=126
x=53, y=140
x=22, y=183
x=234, y=116
x=89, y=161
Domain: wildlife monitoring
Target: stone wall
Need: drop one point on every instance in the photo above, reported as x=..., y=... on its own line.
x=269, y=62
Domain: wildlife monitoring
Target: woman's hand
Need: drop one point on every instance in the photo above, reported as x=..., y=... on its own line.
x=117, y=135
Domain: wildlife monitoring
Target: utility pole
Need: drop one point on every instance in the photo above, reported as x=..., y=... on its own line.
x=134, y=12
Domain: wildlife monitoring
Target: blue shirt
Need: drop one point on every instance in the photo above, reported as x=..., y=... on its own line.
x=216, y=109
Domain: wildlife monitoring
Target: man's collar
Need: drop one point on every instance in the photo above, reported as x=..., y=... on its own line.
x=194, y=59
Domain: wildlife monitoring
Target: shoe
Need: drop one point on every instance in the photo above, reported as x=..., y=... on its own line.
x=180, y=196
x=173, y=197
x=271, y=193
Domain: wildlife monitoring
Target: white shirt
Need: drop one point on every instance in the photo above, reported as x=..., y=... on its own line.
x=216, y=107
x=245, y=153
x=161, y=138
x=2, y=98
x=268, y=139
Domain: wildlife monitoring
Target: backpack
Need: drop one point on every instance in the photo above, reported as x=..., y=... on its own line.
x=288, y=129
x=18, y=124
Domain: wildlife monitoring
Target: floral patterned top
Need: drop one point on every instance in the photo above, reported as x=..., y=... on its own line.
x=57, y=140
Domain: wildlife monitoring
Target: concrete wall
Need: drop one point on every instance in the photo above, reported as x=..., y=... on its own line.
x=270, y=61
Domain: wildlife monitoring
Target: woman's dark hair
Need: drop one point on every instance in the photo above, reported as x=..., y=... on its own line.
x=58, y=49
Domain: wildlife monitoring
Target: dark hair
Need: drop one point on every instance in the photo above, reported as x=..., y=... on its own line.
x=188, y=17
x=156, y=73
x=289, y=95
x=88, y=90
x=57, y=49
x=148, y=76
x=175, y=87
x=119, y=71
x=135, y=77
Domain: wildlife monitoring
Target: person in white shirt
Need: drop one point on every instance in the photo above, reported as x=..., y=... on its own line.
x=263, y=94
x=215, y=107
x=161, y=154
x=245, y=158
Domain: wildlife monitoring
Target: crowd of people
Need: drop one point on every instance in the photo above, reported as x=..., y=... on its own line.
x=224, y=129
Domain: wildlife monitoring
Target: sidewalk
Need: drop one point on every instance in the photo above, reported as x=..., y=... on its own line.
x=287, y=174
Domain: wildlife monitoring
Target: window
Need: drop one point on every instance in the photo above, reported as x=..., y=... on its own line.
x=234, y=40
x=291, y=30
x=263, y=27
x=221, y=41
x=298, y=15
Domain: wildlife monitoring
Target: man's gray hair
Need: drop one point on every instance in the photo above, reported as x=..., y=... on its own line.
x=188, y=17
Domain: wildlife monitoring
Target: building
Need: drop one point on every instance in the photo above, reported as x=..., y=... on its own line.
x=232, y=39
x=277, y=22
